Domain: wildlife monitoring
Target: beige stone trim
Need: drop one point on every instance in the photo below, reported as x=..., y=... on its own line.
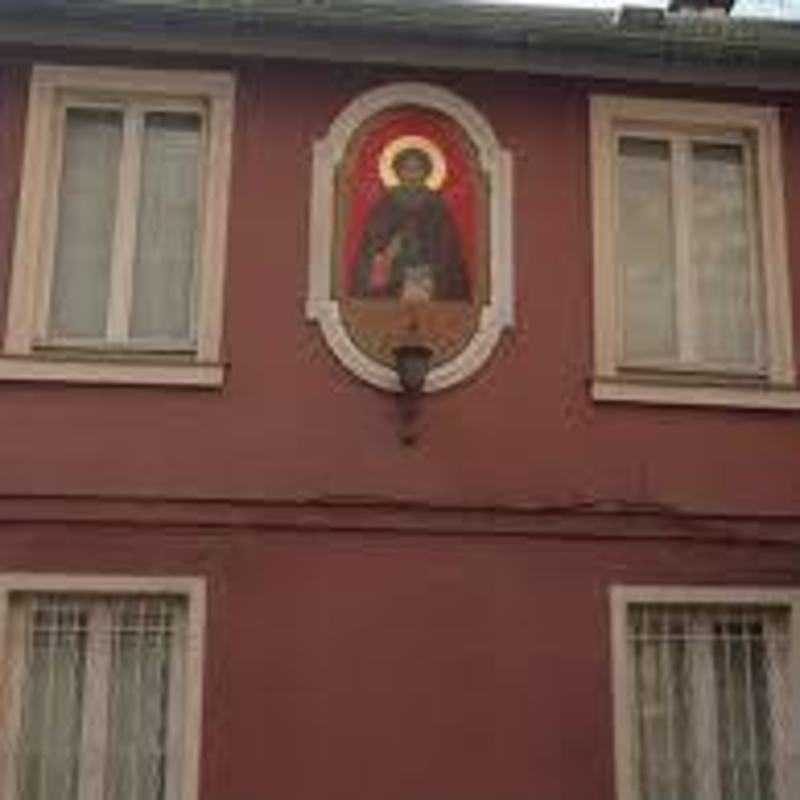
x=192, y=588
x=209, y=93
x=762, y=124
x=664, y=393
x=623, y=596
x=134, y=373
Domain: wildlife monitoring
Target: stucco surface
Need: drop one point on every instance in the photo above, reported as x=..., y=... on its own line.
x=292, y=424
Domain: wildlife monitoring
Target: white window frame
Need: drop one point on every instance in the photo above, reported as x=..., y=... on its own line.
x=772, y=382
x=621, y=597
x=193, y=589
x=28, y=354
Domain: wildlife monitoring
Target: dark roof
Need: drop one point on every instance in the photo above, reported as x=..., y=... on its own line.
x=447, y=33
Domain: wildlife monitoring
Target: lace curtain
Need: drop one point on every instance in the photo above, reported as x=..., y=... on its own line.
x=98, y=685
x=709, y=702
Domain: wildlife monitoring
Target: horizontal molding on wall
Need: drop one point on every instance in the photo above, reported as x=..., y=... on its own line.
x=218, y=516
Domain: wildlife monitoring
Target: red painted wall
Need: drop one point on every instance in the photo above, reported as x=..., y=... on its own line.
x=467, y=658
x=292, y=423
x=407, y=668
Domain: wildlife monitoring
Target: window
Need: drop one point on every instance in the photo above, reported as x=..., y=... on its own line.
x=704, y=682
x=118, y=266
x=102, y=689
x=691, y=288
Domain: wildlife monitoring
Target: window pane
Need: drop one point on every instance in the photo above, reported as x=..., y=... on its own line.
x=721, y=254
x=707, y=697
x=663, y=693
x=144, y=637
x=646, y=250
x=52, y=717
x=100, y=681
x=167, y=230
x=87, y=207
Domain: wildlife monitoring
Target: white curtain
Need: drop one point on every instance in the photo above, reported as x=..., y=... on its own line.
x=167, y=228
x=661, y=697
x=709, y=700
x=87, y=209
x=701, y=688
x=49, y=742
x=101, y=697
x=720, y=244
x=645, y=249
x=139, y=694
x=778, y=721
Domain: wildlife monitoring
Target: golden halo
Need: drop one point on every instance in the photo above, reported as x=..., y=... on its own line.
x=389, y=178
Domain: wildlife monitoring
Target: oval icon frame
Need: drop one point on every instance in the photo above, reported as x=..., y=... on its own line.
x=356, y=205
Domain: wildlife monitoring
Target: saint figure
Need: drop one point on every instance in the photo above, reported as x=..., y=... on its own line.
x=410, y=248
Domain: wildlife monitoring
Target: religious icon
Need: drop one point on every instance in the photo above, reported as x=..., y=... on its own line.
x=411, y=205
x=410, y=235
x=410, y=247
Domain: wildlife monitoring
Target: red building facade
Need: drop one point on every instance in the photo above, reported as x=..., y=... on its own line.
x=421, y=622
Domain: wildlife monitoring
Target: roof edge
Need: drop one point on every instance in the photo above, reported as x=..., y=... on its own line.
x=733, y=52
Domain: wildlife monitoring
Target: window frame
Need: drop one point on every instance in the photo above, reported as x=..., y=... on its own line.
x=621, y=597
x=769, y=385
x=192, y=589
x=30, y=355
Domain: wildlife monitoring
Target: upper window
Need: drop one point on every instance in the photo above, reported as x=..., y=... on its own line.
x=120, y=241
x=691, y=287
x=101, y=697
x=704, y=683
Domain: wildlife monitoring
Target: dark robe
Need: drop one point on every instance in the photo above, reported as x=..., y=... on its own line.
x=419, y=223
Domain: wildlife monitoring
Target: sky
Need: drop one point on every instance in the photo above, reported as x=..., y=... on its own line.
x=772, y=9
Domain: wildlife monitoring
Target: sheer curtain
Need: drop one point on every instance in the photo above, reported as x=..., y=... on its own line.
x=87, y=210
x=139, y=696
x=54, y=669
x=167, y=228
x=100, y=683
x=686, y=251
x=721, y=247
x=708, y=706
x=645, y=237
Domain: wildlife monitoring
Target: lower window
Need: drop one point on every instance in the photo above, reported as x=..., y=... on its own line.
x=703, y=694
x=102, y=695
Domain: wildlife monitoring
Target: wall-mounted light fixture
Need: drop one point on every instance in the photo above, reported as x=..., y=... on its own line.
x=412, y=359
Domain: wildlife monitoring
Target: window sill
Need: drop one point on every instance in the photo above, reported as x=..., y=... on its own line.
x=617, y=390
x=111, y=373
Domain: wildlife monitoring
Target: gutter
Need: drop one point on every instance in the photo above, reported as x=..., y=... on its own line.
x=453, y=34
